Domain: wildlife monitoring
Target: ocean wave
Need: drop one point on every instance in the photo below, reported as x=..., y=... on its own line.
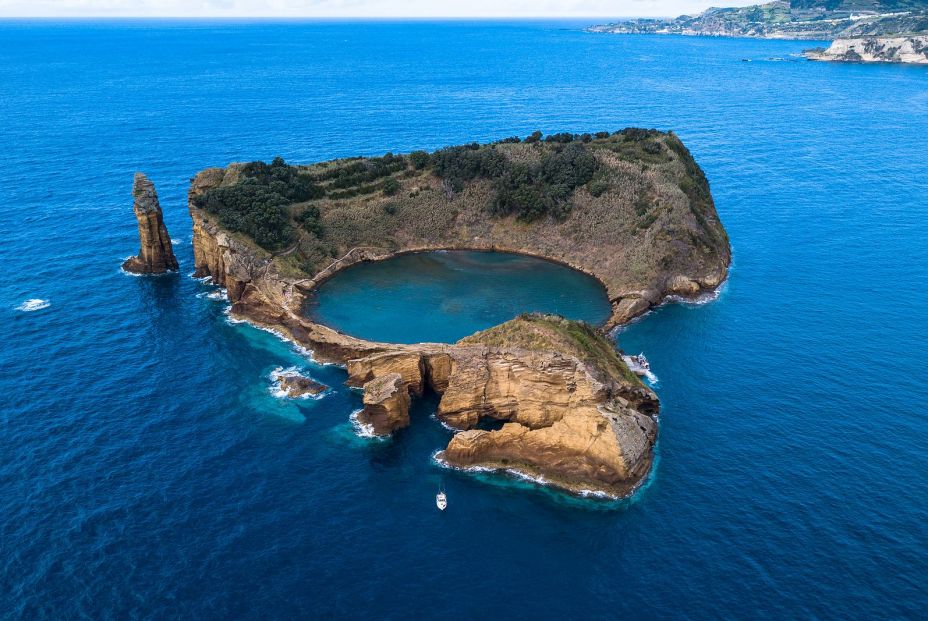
x=299, y=349
x=633, y=365
x=33, y=304
x=230, y=319
x=124, y=272
x=533, y=479
x=434, y=416
x=218, y=295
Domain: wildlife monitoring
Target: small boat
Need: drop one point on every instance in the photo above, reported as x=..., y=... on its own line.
x=441, y=501
x=643, y=362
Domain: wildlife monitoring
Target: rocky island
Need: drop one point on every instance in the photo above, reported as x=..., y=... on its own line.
x=862, y=30
x=631, y=208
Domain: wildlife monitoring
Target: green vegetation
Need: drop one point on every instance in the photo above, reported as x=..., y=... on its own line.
x=257, y=204
x=540, y=332
x=528, y=191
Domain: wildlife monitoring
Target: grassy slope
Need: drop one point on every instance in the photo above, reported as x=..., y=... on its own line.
x=537, y=332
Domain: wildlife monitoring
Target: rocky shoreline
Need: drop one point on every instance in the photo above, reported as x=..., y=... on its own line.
x=571, y=412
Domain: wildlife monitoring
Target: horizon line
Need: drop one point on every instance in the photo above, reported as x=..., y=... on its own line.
x=337, y=17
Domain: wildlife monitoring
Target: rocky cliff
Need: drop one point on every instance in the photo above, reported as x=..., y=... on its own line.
x=573, y=415
x=156, y=254
x=912, y=49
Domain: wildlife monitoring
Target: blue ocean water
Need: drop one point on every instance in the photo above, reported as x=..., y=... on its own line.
x=446, y=295
x=146, y=470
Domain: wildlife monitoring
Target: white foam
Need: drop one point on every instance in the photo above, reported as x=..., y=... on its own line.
x=232, y=321
x=634, y=367
x=444, y=424
x=218, y=295
x=124, y=272
x=303, y=351
x=363, y=430
x=33, y=304
x=530, y=478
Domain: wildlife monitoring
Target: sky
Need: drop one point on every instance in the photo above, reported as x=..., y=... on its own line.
x=356, y=8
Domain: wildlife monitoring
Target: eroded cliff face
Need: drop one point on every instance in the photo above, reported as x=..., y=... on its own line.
x=566, y=420
x=156, y=254
x=909, y=49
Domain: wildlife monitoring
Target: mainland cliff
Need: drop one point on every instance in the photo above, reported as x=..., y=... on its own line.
x=911, y=49
x=156, y=254
x=632, y=208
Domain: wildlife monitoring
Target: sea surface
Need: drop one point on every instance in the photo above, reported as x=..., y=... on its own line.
x=147, y=470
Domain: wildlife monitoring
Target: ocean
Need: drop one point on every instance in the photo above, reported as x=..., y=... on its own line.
x=148, y=471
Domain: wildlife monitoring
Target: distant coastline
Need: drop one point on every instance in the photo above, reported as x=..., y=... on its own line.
x=879, y=31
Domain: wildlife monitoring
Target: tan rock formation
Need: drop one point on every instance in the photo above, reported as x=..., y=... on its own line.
x=575, y=416
x=156, y=255
x=386, y=404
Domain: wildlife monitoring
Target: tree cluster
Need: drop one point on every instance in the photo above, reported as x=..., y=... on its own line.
x=257, y=204
x=526, y=191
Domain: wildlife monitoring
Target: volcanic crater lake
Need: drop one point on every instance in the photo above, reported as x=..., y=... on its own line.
x=445, y=295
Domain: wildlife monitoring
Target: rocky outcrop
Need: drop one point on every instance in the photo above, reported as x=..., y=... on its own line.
x=156, y=255
x=574, y=416
x=296, y=386
x=386, y=404
x=911, y=49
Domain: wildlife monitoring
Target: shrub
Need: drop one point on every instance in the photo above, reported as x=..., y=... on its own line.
x=419, y=159
x=391, y=186
x=535, y=136
x=309, y=220
x=597, y=187
x=257, y=204
x=251, y=208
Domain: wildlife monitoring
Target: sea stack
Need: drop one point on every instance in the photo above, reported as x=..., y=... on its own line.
x=156, y=254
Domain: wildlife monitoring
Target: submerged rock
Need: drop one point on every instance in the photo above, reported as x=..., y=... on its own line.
x=156, y=254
